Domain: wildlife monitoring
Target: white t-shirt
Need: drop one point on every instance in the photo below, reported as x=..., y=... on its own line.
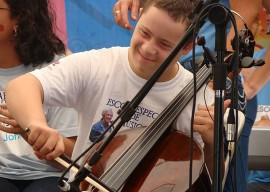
x=17, y=160
x=93, y=80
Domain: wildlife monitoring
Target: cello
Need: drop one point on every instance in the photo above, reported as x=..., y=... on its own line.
x=155, y=158
x=152, y=158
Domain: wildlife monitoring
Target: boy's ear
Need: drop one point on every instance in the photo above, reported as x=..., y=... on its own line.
x=140, y=10
x=187, y=47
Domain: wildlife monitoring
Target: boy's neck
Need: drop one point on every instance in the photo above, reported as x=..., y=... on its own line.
x=169, y=73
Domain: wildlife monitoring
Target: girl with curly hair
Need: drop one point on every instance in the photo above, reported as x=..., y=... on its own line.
x=28, y=42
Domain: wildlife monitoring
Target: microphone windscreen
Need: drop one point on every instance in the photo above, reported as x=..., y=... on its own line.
x=247, y=62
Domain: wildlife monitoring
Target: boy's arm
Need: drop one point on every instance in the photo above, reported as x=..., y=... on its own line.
x=27, y=110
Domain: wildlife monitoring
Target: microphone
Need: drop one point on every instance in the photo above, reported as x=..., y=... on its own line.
x=247, y=62
x=208, y=57
x=246, y=49
x=259, y=62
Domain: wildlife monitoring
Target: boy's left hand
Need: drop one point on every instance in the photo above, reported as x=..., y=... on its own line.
x=204, y=122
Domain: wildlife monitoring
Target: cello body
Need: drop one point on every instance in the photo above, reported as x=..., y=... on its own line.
x=164, y=169
x=155, y=158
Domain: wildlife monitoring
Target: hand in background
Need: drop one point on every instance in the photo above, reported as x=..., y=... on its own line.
x=121, y=9
x=7, y=123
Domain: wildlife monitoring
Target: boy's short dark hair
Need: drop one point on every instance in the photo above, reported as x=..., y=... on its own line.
x=177, y=9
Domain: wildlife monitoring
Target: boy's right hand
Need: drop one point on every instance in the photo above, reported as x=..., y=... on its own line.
x=46, y=142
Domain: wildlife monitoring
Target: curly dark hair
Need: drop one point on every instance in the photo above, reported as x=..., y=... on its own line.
x=35, y=40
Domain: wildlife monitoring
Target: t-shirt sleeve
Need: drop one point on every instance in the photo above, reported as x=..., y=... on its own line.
x=64, y=120
x=64, y=80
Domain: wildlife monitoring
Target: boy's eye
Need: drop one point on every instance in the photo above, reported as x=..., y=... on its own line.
x=144, y=33
x=166, y=45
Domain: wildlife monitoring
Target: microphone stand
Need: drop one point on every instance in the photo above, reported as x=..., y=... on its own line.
x=218, y=15
x=129, y=108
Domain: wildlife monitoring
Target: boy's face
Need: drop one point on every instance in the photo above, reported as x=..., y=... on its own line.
x=155, y=36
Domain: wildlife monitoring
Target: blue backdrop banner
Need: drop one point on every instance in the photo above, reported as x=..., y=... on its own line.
x=90, y=25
